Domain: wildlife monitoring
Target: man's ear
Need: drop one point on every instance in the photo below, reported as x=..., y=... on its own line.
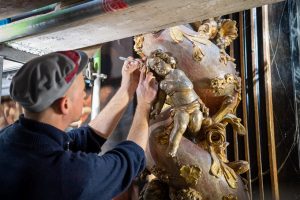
x=63, y=105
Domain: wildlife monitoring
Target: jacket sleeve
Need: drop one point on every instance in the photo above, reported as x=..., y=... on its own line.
x=86, y=140
x=90, y=176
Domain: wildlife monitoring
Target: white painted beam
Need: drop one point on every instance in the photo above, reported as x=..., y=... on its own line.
x=140, y=18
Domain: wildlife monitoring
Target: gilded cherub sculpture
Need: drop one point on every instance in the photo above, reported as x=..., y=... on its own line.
x=188, y=109
x=199, y=67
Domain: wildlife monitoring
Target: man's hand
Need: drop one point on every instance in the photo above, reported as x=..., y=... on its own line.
x=146, y=93
x=106, y=121
x=147, y=88
x=130, y=75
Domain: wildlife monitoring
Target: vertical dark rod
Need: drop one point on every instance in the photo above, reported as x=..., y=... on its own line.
x=244, y=95
x=235, y=135
x=269, y=104
x=1, y=72
x=256, y=98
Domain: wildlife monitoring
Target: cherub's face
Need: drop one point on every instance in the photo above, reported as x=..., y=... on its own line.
x=159, y=66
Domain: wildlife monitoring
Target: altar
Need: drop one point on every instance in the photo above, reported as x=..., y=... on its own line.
x=225, y=123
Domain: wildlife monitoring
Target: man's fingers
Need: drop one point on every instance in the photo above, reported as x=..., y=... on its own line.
x=154, y=84
x=133, y=64
x=128, y=60
x=142, y=74
x=150, y=79
x=138, y=63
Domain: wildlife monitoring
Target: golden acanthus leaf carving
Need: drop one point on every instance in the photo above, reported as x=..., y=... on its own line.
x=239, y=166
x=216, y=145
x=163, y=138
x=219, y=168
x=196, y=38
x=191, y=174
x=176, y=34
x=227, y=32
x=138, y=45
x=161, y=174
x=230, y=197
x=235, y=123
x=155, y=189
x=208, y=28
x=219, y=84
x=215, y=138
x=225, y=58
x=197, y=54
x=187, y=194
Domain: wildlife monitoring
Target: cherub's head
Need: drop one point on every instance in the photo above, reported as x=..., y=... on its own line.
x=162, y=63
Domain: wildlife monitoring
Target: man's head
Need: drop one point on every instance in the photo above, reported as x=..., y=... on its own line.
x=48, y=78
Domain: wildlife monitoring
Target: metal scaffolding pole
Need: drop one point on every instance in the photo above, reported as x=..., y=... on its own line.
x=53, y=20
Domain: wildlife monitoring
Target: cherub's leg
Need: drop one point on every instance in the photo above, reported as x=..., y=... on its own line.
x=196, y=118
x=181, y=120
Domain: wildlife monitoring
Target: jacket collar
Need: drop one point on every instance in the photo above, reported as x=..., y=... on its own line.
x=39, y=133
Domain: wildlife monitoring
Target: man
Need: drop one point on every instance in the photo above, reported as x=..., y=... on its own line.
x=38, y=160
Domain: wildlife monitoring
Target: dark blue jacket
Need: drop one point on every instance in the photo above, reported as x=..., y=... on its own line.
x=38, y=161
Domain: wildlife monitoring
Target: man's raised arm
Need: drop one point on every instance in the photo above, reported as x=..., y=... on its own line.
x=107, y=120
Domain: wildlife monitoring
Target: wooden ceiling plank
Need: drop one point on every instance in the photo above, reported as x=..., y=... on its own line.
x=141, y=18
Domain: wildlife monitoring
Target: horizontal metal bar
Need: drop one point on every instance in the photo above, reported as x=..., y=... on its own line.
x=35, y=12
x=45, y=22
x=15, y=55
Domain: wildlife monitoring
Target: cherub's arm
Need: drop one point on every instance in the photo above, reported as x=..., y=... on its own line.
x=158, y=104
